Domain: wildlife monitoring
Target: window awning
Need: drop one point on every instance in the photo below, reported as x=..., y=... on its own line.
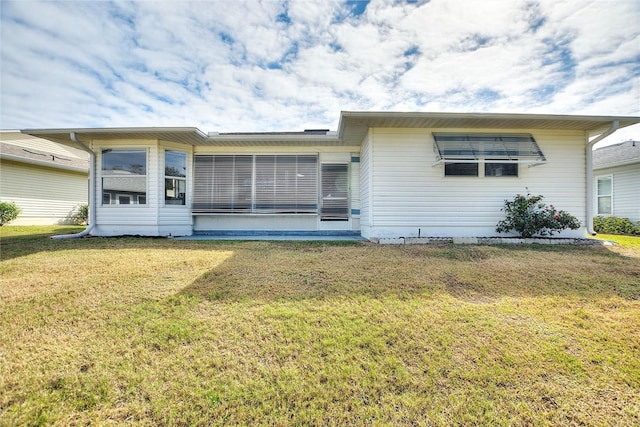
x=497, y=148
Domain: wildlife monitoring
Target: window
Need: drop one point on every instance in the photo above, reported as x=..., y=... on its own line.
x=500, y=169
x=499, y=154
x=124, y=177
x=605, y=193
x=461, y=169
x=260, y=184
x=175, y=177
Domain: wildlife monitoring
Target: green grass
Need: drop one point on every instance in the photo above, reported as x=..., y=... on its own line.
x=628, y=241
x=161, y=332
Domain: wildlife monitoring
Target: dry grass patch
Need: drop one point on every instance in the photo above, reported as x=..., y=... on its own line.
x=157, y=332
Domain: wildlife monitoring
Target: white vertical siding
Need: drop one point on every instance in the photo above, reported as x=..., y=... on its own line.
x=412, y=196
x=626, y=190
x=46, y=196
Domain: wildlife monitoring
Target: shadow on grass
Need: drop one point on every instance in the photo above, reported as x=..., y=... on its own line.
x=297, y=270
x=475, y=274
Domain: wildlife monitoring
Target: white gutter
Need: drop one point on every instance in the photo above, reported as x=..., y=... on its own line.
x=589, y=163
x=92, y=191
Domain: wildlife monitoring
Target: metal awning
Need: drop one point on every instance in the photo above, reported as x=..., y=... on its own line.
x=497, y=148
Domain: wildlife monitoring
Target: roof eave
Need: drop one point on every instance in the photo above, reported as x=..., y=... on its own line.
x=37, y=162
x=189, y=135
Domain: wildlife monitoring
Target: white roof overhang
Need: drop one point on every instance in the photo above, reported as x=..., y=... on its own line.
x=354, y=124
x=190, y=136
x=352, y=128
x=185, y=135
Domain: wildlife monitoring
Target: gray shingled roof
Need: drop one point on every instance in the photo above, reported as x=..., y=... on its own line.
x=28, y=155
x=617, y=154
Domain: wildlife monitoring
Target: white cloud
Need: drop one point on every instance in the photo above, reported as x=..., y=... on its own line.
x=286, y=65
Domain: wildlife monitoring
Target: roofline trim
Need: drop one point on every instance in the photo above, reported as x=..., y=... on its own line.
x=37, y=162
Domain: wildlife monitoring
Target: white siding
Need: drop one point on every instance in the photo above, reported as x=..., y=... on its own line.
x=626, y=190
x=47, y=196
x=411, y=197
x=365, y=187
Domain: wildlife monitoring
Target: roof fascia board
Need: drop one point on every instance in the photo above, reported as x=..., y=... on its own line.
x=513, y=116
x=273, y=138
x=616, y=164
x=597, y=122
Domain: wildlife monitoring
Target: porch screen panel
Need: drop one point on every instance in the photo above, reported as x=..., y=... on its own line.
x=202, y=183
x=223, y=184
x=265, y=184
x=307, y=184
x=258, y=184
x=286, y=184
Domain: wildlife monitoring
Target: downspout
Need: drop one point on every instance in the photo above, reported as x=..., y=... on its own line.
x=92, y=191
x=614, y=127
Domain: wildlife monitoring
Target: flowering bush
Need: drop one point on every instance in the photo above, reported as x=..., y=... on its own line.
x=529, y=217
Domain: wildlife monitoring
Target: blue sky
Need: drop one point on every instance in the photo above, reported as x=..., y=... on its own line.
x=271, y=65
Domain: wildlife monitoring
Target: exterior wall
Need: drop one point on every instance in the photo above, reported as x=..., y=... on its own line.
x=626, y=190
x=114, y=220
x=229, y=222
x=409, y=197
x=365, y=187
x=46, y=195
x=265, y=222
x=153, y=218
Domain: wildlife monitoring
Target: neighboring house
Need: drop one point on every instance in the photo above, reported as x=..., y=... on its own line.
x=45, y=179
x=381, y=174
x=616, y=171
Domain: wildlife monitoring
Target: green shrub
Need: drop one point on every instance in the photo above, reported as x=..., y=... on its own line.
x=529, y=217
x=8, y=212
x=615, y=225
x=81, y=214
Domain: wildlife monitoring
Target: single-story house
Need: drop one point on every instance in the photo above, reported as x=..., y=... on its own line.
x=380, y=175
x=47, y=181
x=617, y=180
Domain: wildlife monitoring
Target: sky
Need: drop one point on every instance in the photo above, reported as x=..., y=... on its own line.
x=283, y=65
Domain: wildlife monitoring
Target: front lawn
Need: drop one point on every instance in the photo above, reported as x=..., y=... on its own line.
x=162, y=332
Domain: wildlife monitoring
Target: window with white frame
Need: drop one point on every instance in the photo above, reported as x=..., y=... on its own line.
x=124, y=177
x=605, y=195
x=175, y=177
x=258, y=184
